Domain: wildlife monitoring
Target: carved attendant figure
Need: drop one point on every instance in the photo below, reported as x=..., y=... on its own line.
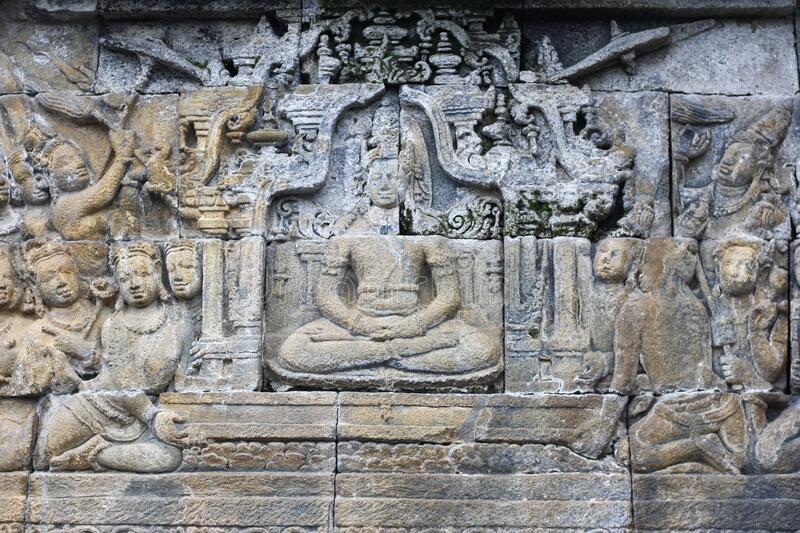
x=665, y=327
x=753, y=293
x=142, y=343
x=389, y=326
x=63, y=340
x=13, y=321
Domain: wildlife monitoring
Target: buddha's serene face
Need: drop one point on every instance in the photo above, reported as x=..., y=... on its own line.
x=383, y=183
x=185, y=274
x=738, y=164
x=8, y=286
x=738, y=269
x=136, y=276
x=68, y=168
x=57, y=279
x=612, y=260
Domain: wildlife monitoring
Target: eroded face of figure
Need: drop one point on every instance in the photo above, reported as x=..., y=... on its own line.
x=738, y=270
x=58, y=281
x=738, y=164
x=8, y=282
x=383, y=183
x=68, y=168
x=36, y=189
x=137, y=279
x=185, y=273
x=612, y=260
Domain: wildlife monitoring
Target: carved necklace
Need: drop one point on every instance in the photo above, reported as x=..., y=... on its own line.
x=145, y=329
x=84, y=319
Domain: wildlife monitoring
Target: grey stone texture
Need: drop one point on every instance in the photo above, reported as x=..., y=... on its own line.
x=441, y=267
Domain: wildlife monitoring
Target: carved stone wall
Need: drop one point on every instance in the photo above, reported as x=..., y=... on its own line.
x=443, y=267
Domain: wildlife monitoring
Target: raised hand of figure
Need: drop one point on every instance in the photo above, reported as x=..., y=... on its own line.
x=693, y=142
x=165, y=427
x=69, y=343
x=761, y=317
x=196, y=355
x=123, y=143
x=734, y=369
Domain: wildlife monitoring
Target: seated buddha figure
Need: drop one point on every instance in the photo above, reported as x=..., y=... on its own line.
x=390, y=326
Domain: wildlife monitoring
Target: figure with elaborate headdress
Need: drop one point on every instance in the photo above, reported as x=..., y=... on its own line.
x=745, y=193
x=62, y=343
x=114, y=424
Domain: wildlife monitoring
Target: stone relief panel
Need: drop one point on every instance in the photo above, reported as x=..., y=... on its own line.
x=384, y=312
x=794, y=320
x=155, y=57
x=606, y=317
x=639, y=52
x=47, y=57
x=437, y=46
x=534, y=159
x=733, y=166
x=88, y=167
x=17, y=435
x=243, y=148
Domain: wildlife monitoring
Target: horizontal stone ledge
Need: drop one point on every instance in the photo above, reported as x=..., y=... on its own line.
x=550, y=500
x=719, y=502
x=210, y=499
x=672, y=7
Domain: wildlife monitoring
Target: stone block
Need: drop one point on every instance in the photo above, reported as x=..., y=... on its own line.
x=201, y=9
x=17, y=435
x=225, y=500
x=671, y=7
x=733, y=165
x=585, y=424
x=384, y=312
x=559, y=161
x=13, y=489
x=89, y=167
x=579, y=502
x=667, y=54
x=47, y=57
x=692, y=502
x=257, y=431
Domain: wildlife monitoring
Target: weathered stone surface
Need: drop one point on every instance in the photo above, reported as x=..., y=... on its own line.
x=691, y=502
x=733, y=164
x=384, y=312
x=252, y=431
x=47, y=57
x=439, y=267
x=578, y=502
x=13, y=490
x=179, y=56
x=561, y=161
x=585, y=424
x=698, y=56
x=17, y=435
x=672, y=7
x=228, y=500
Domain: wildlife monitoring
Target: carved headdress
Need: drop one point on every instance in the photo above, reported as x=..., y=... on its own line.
x=130, y=249
x=38, y=250
x=769, y=130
